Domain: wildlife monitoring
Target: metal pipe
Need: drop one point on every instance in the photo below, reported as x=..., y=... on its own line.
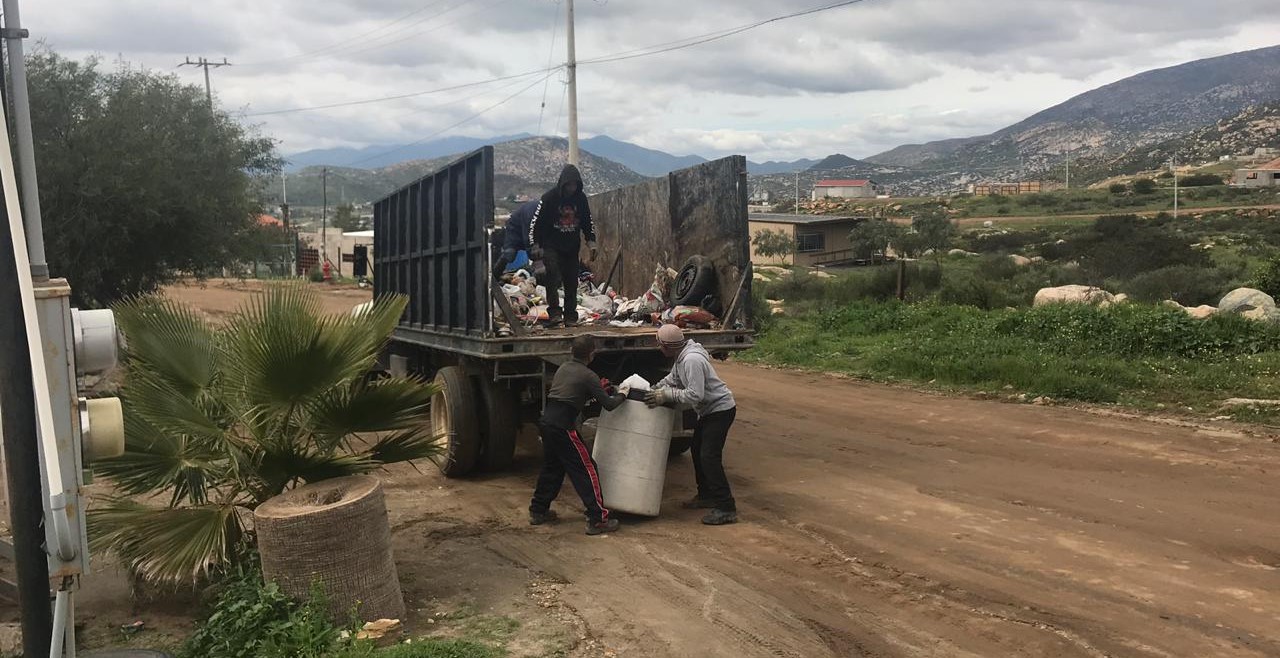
x=60, y=610
x=14, y=35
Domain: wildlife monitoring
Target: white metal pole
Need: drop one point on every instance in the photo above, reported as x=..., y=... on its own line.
x=797, y=208
x=284, y=187
x=1173, y=163
x=1068, y=169
x=573, y=92
x=26, y=144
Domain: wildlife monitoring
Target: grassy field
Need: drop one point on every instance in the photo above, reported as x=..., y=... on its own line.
x=1134, y=355
x=968, y=323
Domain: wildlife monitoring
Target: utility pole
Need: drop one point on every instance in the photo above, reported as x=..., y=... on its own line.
x=797, y=208
x=1068, y=168
x=1173, y=165
x=324, y=216
x=13, y=35
x=573, y=93
x=206, y=64
x=284, y=203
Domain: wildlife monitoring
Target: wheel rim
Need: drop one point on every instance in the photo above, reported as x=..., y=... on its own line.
x=441, y=422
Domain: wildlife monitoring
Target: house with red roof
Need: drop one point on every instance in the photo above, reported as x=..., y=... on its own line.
x=846, y=189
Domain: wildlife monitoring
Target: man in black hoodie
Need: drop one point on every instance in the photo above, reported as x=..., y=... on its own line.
x=561, y=217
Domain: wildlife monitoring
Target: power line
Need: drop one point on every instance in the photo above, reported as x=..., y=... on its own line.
x=451, y=127
x=624, y=55
x=335, y=44
x=379, y=46
x=403, y=96
x=690, y=42
x=551, y=53
x=206, y=65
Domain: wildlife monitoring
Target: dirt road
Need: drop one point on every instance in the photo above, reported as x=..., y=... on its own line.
x=882, y=522
x=876, y=522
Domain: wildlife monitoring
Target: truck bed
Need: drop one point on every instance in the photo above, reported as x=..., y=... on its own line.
x=557, y=342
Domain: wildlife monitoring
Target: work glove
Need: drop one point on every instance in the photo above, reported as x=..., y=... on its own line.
x=660, y=397
x=609, y=388
x=595, y=250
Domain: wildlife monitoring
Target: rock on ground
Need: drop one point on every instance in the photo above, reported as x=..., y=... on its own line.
x=1020, y=261
x=1073, y=295
x=1250, y=303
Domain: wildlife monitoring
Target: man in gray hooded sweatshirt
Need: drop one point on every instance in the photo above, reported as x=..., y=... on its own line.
x=562, y=217
x=694, y=383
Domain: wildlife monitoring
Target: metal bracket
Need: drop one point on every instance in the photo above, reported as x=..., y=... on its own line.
x=11, y=33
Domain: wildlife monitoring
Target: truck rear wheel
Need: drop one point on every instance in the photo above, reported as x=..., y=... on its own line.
x=454, y=422
x=499, y=425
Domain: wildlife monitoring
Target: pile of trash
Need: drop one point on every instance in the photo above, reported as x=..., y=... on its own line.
x=603, y=306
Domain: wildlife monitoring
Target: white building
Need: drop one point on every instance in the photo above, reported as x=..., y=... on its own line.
x=846, y=189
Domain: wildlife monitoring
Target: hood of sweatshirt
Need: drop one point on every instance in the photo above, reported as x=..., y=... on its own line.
x=569, y=174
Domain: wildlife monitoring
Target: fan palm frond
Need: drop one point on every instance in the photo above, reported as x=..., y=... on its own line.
x=170, y=341
x=170, y=545
x=383, y=406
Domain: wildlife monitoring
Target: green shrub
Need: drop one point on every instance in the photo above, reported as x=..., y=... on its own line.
x=1267, y=278
x=1117, y=188
x=1200, y=180
x=1144, y=186
x=426, y=648
x=250, y=619
x=1187, y=285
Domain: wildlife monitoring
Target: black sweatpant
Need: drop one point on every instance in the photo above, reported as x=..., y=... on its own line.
x=708, y=458
x=563, y=452
x=562, y=269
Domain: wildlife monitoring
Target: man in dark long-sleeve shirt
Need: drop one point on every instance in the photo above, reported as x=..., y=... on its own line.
x=562, y=217
x=563, y=451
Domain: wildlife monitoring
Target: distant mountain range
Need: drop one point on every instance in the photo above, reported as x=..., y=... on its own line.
x=527, y=166
x=1197, y=109
x=1143, y=110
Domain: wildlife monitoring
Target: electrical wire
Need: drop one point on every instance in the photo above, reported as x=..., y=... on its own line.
x=343, y=42
x=690, y=42
x=403, y=96
x=448, y=128
x=379, y=46
x=551, y=53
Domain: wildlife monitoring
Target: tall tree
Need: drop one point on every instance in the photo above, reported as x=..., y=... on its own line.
x=774, y=244
x=346, y=219
x=871, y=238
x=139, y=180
x=935, y=229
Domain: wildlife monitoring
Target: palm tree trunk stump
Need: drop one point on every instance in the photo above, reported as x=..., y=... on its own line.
x=334, y=533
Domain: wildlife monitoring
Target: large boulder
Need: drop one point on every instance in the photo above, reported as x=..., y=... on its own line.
x=1073, y=295
x=1250, y=303
x=1020, y=261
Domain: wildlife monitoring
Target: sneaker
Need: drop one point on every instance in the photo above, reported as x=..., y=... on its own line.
x=539, y=518
x=555, y=318
x=698, y=503
x=720, y=517
x=599, y=528
x=571, y=319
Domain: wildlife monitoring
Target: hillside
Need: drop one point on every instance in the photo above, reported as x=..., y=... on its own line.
x=1253, y=127
x=523, y=166
x=648, y=162
x=837, y=162
x=1144, y=110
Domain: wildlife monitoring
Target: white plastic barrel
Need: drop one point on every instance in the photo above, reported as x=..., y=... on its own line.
x=631, y=448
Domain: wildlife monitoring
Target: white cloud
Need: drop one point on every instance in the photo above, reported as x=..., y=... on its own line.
x=858, y=80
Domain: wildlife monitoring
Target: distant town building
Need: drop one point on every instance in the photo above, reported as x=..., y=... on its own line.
x=846, y=189
x=1008, y=189
x=761, y=196
x=820, y=239
x=1267, y=175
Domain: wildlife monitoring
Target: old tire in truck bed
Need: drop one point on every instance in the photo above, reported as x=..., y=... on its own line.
x=696, y=280
x=455, y=422
x=499, y=424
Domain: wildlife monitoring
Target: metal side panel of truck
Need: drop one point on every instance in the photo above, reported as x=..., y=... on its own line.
x=432, y=244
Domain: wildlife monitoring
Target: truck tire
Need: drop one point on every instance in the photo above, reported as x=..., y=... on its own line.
x=696, y=280
x=454, y=422
x=499, y=425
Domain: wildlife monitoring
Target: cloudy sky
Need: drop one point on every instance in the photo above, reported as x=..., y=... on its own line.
x=858, y=79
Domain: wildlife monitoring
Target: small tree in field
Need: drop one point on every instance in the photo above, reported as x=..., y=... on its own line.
x=936, y=230
x=1144, y=186
x=774, y=244
x=873, y=237
x=346, y=219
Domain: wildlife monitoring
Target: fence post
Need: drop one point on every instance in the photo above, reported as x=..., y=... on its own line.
x=902, y=279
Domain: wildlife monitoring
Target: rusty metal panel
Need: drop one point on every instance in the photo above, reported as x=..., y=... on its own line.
x=701, y=210
x=432, y=245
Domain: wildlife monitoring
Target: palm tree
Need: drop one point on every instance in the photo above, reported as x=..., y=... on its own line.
x=220, y=418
